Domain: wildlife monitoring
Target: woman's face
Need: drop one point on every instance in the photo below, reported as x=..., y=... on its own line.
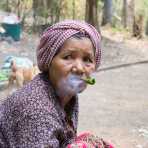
x=74, y=60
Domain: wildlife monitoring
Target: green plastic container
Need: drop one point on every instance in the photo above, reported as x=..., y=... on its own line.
x=13, y=30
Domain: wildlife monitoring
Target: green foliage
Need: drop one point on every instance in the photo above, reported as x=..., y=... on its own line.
x=73, y=9
x=141, y=7
x=55, y=10
x=3, y=5
x=118, y=29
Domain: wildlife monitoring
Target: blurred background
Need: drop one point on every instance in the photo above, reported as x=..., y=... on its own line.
x=35, y=15
x=116, y=108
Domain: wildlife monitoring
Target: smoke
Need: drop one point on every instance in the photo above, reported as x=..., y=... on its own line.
x=71, y=85
x=76, y=83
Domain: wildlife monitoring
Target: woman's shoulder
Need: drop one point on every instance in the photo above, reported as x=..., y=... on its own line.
x=30, y=98
x=38, y=87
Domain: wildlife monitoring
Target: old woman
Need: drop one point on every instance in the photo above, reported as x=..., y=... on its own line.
x=44, y=112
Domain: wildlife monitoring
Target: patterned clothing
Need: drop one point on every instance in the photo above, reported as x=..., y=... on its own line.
x=32, y=117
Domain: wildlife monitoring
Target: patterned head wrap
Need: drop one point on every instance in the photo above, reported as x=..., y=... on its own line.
x=54, y=37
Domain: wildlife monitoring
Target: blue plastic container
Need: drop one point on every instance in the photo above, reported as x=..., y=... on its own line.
x=13, y=30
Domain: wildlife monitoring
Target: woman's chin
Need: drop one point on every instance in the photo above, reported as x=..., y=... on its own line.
x=81, y=87
x=71, y=86
x=81, y=90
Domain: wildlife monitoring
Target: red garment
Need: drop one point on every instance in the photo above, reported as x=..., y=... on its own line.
x=88, y=140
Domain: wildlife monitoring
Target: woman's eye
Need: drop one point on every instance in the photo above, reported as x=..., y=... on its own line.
x=88, y=60
x=67, y=57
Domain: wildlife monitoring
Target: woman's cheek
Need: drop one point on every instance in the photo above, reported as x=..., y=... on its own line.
x=90, y=69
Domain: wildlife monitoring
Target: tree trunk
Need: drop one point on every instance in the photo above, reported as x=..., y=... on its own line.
x=107, y=12
x=73, y=9
x=124, y=14
x=7, y=6
x=146, y=29
x=48, y=11
x=128, y=14
x=18, y=8
x=34, y=5
x=91, y=14
x=138, y=26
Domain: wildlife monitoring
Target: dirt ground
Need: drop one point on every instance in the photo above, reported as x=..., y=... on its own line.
x=116, y=107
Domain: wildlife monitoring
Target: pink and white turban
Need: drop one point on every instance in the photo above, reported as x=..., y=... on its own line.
x=54, y=36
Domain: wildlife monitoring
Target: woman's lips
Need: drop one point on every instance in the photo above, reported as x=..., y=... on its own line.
x=73, y=84
x=76, y=83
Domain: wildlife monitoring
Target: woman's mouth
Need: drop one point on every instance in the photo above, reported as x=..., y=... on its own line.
x=76, y=83
x=73, y=84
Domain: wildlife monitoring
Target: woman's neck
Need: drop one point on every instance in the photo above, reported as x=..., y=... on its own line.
x=65, y=100
x=64, y=96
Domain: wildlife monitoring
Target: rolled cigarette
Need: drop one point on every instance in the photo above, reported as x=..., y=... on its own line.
x=90, y=80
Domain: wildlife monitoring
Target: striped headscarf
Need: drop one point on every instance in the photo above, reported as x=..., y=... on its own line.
x=54, y=36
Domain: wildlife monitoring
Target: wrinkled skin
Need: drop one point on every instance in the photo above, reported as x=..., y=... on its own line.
x=75, y=58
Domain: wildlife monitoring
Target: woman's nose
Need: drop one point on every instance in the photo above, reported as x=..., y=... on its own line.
x=78, y=67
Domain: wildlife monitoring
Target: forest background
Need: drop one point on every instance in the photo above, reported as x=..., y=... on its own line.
x=121, y=15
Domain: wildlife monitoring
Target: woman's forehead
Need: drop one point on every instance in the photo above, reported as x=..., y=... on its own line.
x=73, y=44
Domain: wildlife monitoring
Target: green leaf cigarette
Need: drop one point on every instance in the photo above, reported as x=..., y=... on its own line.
x=90, y=80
